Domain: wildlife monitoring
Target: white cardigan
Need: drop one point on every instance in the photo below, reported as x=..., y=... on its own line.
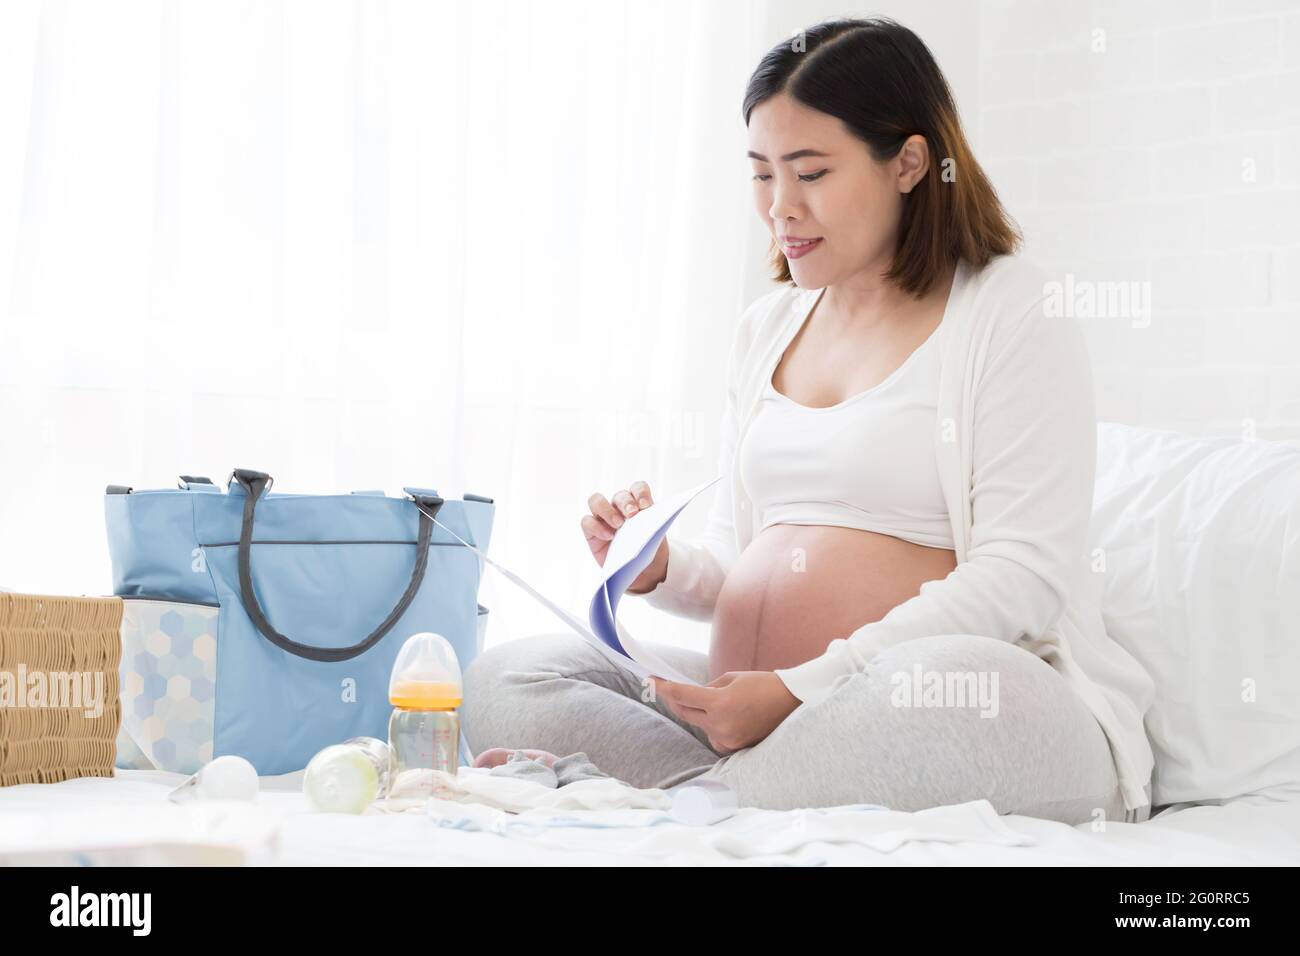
x=1016, y=440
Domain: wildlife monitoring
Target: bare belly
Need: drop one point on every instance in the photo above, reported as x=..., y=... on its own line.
x=798, y=587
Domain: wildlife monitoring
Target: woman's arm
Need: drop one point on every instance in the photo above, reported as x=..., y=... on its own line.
x=1034, y=449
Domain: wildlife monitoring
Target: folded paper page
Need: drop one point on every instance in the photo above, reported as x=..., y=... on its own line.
x=630, y=551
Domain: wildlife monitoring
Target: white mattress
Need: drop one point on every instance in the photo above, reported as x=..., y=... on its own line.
x=128, y=819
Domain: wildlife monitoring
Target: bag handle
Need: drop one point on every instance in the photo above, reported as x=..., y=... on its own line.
x=255, y=484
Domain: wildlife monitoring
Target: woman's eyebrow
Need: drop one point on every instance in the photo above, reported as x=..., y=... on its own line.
x=788, y=157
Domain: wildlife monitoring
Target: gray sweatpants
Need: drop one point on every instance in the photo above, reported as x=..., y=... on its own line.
x=913, y=731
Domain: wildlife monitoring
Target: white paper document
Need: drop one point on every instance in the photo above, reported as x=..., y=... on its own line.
x=630, y=551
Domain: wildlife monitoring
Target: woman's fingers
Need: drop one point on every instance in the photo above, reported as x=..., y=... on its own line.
x=594, y=529
x=693, y=698
x=641, y=492
x=633, y=499
x=602, y=509
x=624, y=503
x=692, y=715
x=681, y=699
x=608, y=516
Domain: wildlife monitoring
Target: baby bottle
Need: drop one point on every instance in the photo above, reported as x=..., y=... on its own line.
x=347, y=777
x=424, y=730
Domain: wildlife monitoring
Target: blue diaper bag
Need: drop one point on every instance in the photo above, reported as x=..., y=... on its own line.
x=265, y=624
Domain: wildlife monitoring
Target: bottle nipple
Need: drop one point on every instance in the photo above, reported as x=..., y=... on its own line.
x=426, y=674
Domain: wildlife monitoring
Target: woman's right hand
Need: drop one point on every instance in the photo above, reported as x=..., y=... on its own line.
x=607, y=516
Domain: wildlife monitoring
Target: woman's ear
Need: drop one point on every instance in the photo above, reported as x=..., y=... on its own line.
x=913, y=162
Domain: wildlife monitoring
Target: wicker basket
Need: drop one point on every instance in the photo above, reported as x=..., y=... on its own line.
x=59, y=693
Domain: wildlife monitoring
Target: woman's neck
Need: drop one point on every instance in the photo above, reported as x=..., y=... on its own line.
x=868, y=299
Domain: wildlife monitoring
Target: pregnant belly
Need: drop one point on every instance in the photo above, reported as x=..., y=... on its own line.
x=798, y=587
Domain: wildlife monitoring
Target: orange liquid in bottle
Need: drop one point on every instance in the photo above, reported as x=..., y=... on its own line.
x=424, y=695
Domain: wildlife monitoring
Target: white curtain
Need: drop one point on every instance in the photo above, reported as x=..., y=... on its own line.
x=489, y=248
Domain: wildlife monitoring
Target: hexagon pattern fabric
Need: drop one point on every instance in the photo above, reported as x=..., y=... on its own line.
x=169, y=672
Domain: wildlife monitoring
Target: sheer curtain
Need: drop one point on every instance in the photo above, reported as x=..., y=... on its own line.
x=367, y=245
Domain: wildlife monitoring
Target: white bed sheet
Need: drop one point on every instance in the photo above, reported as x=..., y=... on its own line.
x=128, y=819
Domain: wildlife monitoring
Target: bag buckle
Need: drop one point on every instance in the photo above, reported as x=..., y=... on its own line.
x=246, y=477
x=426, y=499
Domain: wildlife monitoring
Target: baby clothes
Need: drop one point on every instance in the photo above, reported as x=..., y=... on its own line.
x=566, y=770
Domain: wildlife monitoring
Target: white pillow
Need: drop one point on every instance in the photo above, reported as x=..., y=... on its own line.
x=1201, y=549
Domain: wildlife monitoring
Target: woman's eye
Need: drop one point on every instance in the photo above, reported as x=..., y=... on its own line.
x=809, y=178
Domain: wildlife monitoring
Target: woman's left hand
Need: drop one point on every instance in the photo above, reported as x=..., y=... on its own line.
x=736, y=710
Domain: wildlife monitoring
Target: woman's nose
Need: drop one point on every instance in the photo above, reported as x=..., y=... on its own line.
x=783, y=204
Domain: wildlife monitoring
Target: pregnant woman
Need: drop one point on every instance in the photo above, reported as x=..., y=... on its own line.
x=896, y=566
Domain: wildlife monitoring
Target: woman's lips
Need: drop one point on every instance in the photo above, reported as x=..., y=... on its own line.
x=797, y=250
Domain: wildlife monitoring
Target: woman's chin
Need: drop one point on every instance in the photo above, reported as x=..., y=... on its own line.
x=807, y=277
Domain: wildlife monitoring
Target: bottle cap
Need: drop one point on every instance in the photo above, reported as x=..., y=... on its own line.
x=426, y=674
x=226, y=778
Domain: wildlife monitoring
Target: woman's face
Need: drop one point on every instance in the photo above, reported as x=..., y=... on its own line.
x=813, y=179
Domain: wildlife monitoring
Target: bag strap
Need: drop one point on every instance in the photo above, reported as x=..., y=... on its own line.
x=255, y=483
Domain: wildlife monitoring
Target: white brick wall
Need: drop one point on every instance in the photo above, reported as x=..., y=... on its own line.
x=1159, y=141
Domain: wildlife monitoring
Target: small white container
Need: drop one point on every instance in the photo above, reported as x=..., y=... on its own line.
x=700, y=803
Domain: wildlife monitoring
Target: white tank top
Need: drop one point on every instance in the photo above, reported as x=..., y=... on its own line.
x=867, y=462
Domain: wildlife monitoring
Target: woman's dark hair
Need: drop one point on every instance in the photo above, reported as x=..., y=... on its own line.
x=881, y=81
